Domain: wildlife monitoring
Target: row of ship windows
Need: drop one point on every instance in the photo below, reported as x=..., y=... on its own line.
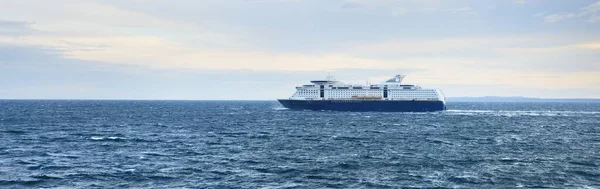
x=373, y=90
x=417, y=93
x=424, y=95
x=378, y=90
x=398, y=97
x=411, y=94
x=362, y=92
x=354, y=93
x=357, y=88
x=366, y=92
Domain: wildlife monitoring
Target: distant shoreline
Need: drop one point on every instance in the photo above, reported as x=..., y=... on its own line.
x=518, y=99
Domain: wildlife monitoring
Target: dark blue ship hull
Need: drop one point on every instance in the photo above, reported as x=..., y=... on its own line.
x=364, y=105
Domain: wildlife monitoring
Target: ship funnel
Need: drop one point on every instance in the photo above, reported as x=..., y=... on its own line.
x=396, y=79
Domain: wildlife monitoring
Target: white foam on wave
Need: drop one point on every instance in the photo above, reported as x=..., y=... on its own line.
x=473, y=111
x=106, y=138
x=523, y=113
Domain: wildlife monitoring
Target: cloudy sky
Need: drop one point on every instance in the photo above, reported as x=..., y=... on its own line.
x=261, y=49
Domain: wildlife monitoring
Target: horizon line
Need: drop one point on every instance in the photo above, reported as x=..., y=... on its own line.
x=275, y=99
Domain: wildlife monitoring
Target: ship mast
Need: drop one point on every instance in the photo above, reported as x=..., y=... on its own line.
x=329, y=78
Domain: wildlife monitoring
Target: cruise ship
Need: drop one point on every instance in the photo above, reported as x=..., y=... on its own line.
x=388, y=96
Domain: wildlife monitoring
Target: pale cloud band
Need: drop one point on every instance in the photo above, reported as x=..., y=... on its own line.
x=590, y=12
x=99, y=32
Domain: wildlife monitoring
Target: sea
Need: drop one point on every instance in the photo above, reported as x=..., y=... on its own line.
x=260, y=144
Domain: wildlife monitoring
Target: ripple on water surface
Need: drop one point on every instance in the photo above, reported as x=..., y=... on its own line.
x=246, y=144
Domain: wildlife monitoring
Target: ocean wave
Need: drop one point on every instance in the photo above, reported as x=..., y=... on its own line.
x=157, y=154
x=523, y=113
x=197, y=145
x=16, y=132
x=27, y=183
x=110, y=138
x=46, y=177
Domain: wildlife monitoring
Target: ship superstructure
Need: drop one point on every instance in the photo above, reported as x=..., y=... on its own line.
x=390, y=95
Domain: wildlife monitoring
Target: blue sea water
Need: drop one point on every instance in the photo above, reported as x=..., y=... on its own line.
x=259, y=144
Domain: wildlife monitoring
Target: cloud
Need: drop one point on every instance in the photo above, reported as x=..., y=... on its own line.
x=59, y=14
x=14, y=28
x=460, y=10
x=590, y=46
x=85, y=18
x=541, y=53
x=442, y=45
x=513, y=78
x=53, y=76
x=559, y=17
x=520, y=2
x=591, y=12
x=364, y=39
x=401, y=7
x=156, y=52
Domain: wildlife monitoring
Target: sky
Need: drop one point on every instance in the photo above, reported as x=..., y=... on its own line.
x=262, y=49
